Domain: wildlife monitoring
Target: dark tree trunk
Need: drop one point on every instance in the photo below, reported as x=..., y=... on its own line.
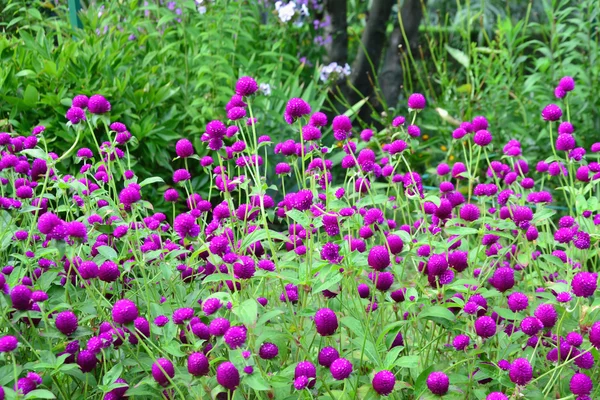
x=337, y=10
x=390, y=78
x=373, y=40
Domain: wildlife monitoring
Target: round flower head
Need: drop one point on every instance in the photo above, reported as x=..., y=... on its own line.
x=109, y=272
x=379, y=258
x=520, y=371
x=340, y=369
x=184, y=148
x=162, y=371
x=310, y=132
x=228, y=376
x=482, y=138
x=80, y=101
x=326, y=322
x=268, y=351
x=503, y=279
x=383, y=382
x=547, y=315
x=584, y=284
x=485, y=326
x=66, y=322
x=197, y=364
x=301, y=382
x=565, y=142
x=87, y=360
x=20, y=296
x=531, y=326
x=438, y=383
x=235, y=337
x=581, y=384
x=124, y=311
x=296, y=108
x=518, y=302
x=398, y=121
x=246, y=86
x=470, y=212
x=308, y=369
x=218, y=326
x=416, y=101
x=567, y=83
x=342, y=127
x=98, y=104
x=461, y=342
x=171, y=195
x=8, y=344
x=551, y=112
x=327, y=356
x=496, y=396
x=318, y=119
x=75, y=115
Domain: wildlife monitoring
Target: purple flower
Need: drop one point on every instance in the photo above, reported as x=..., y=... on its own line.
x=295, y=109
x=342, y=127
x=87, y=360
x=97, y=104
x=124, y=311
x=584, y=284
x=482, y=138
x=416, y=101
x=518, y=302
x=531, y=326
x=75, y=115
x=109, y=272
x=379, y=258
x=340, y=369
x=461, y=342
x=184, y=148
x=80, y=101
x=327, y=356
x=308, y=369
x=162, y=371
x=520, y=371
x=581, y=384
x=438, y=383
x=485, y=326
x=318, y=119
x=398, y=121
x=503, y=279
x=66, y=322
x=567, y=83
x=383, y=382
x=551, y=112
x=181, y=175
x=496, y=396
x=547, y=315
x=8, y=343
x=246, y=86
x=197, y=364
x=235, y=336
x=301, y=382
x=470, y=212
x=268, y=351
x=20, y=296
x=228, y=376
x=326, y=322
x=218, y=326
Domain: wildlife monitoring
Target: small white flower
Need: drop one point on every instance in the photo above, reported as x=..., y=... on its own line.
x=265, y=88
x=286, y=12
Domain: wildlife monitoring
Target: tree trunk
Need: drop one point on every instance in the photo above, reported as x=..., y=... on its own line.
x=338, y=50
x=373, y=40
x=391, y=78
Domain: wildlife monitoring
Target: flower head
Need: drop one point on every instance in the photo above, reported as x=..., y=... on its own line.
x=438, y=383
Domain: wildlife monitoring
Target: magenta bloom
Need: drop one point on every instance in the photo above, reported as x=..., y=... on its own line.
x=567, y=83
x=518, y=302
x=496, y=396
x=584, y=284
x=8, y=343
x=326, y=322
x=551, y=112
x=383, y=382
x=228, y=376
x=80, y=101
x=482, y=138
x=295, y=109
x=20, y=296
x=124, y=311
x=97, y=104
x=581, y=384
x=503, y=279
x=470, y=212
x=340, y=369
x=268, y=351
x=379, y=258
x=246, y=86
x=416, y=101
x=184, y=148
x=520, y=371
x=75, y=115
x=438, y=383
x=197, y=364
x=485, y=326
x=235, y=337
x=162, y=371
x=547, y=315
x=327, y=356
x=66, y=322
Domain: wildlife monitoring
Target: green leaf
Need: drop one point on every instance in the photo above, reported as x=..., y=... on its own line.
x=36, y=153
x=30, y=96
x=434, y=312
x=261, y=234
x=40, y=394
x=328, y=283
x=256, y=382
x=247, y=312
x=112, y=375
x=299, y=217
x=268, y=316
x=354, y=109
x=108, y=252
x=407, y=362
x=150, y=180
x=459, y=56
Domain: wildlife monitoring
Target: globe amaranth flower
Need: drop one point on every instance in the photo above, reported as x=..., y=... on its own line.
x=379, y=258
x=318, y=119
x=547, y=315
x=124, y=311
x=496, y=396
x=246, y=86
x=97, y=104
x=520, y=371
x=308, y=369
x=485, y=326
x=581, y=384
x=482, y=138
x=565, y=142
x=310, y=132
x=461, y=342
x=416, y=101
x=109, y=272
x=470, y=212
x=66, y=322
x=340, y=369
x=327, y=356
x=518, y=302
x=80, y=101
x=185, y=225
x=228, y=376
x=218, y=326
x=235, y=336
x=197, y=364
x=162, y=371
x=8, y=343
x=268, y=351
x=301, y=382
x=20, y=297
x=567, y=83
x=75, y=115
x=342, y=127
x=383, y=382
x=181, y=315
x=87, y=360
x=326, y=322
x=184, y=148
x=551, y=112
x=295, y=109
x=503, y=279
x=584, y=284
x=438, y=383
